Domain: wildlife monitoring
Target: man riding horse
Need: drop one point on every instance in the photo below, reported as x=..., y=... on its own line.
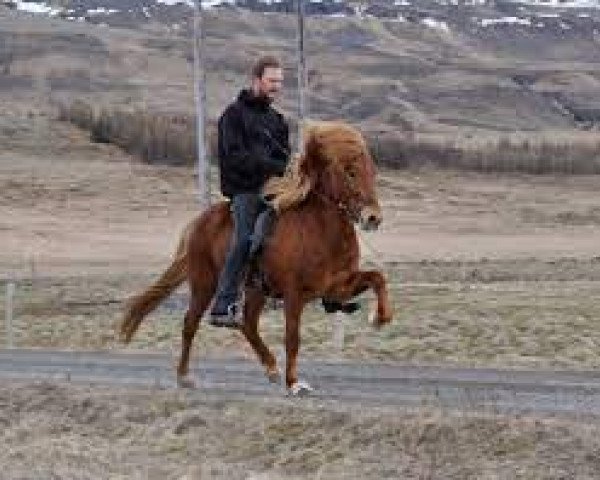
x=313, y=251
x=253, y=146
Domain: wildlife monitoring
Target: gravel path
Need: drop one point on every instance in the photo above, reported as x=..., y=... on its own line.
x=502, y=391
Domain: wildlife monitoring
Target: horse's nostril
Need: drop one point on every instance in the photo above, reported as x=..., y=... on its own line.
x=371, y=222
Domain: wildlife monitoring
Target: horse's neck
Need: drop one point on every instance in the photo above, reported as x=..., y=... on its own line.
x=319, y=206
x=326, y=231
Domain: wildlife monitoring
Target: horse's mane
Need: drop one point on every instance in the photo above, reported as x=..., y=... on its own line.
x=293, y=187
x=290, y=189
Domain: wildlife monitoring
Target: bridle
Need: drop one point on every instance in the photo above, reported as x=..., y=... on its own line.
x=350, y=186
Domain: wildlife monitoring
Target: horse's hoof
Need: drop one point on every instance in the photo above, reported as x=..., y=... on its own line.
x=300, y=389
x=274, y=375
x=378, y=321
x=374, y=319
x=186, y=382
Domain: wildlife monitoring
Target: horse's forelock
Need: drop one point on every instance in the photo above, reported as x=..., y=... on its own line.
x=327, y=142
x=343, y=145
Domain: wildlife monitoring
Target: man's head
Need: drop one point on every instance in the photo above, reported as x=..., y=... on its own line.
x=267, y=78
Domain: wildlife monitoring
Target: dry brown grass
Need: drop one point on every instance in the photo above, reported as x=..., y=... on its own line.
x=171, y=139
x=518, y=314
x=156, y=138
x=65, y=431
x=577, y=154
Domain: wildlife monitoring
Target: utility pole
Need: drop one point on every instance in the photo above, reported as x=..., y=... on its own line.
x=301, y=74
x=204, y=193
x=8, y=322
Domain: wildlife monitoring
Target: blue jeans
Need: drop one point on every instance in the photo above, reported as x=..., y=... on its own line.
x=245, y=208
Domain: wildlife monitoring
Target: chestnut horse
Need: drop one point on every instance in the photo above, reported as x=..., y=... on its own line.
x=312, y=253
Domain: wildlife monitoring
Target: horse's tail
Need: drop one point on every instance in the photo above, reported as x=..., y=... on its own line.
x=142, y=304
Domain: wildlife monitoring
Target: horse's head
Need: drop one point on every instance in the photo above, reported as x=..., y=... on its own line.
x=337, y=160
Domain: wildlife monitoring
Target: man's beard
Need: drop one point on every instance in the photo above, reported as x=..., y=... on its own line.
x=265, y=97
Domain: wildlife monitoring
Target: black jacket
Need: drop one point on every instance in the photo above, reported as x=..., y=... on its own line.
x=253, y=144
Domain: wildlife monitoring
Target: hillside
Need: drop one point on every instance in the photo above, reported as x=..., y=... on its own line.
x=459, y=69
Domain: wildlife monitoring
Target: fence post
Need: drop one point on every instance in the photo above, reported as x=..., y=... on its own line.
x=301, y=67
x=10, y=293
x=204, y=188
x=338, y=331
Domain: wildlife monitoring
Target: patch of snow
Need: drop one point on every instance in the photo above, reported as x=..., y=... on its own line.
x=190, y=3
x=205, y=3
x=102, y=11
x=486, y=22
x=359, y=9
x=437, y=24
x=31, y=7
x=402, y=3
x=563, y=4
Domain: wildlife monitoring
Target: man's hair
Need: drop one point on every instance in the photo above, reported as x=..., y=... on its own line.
x=264, y=62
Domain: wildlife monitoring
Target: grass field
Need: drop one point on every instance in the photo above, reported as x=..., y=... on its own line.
x=484, y=270
x=65, y=431
x=530, y=323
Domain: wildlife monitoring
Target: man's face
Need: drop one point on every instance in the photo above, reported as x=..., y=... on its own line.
x=270, y=84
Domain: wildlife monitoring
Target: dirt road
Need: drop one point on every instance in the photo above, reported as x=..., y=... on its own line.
x=502, y=391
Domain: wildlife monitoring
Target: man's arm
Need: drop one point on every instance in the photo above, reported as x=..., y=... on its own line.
x=277, y=163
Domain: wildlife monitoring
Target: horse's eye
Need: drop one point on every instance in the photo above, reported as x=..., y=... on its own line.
x=351, y=174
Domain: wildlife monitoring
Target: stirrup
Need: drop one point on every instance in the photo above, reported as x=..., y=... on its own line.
x=333, y=306
x=233, y=318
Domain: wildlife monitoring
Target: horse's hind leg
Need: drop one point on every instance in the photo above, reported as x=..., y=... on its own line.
x=199, y=302
x=255, y=302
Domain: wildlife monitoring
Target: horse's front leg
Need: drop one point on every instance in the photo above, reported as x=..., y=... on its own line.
x=357, y=283
x=293, y=313
x=255, y=302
